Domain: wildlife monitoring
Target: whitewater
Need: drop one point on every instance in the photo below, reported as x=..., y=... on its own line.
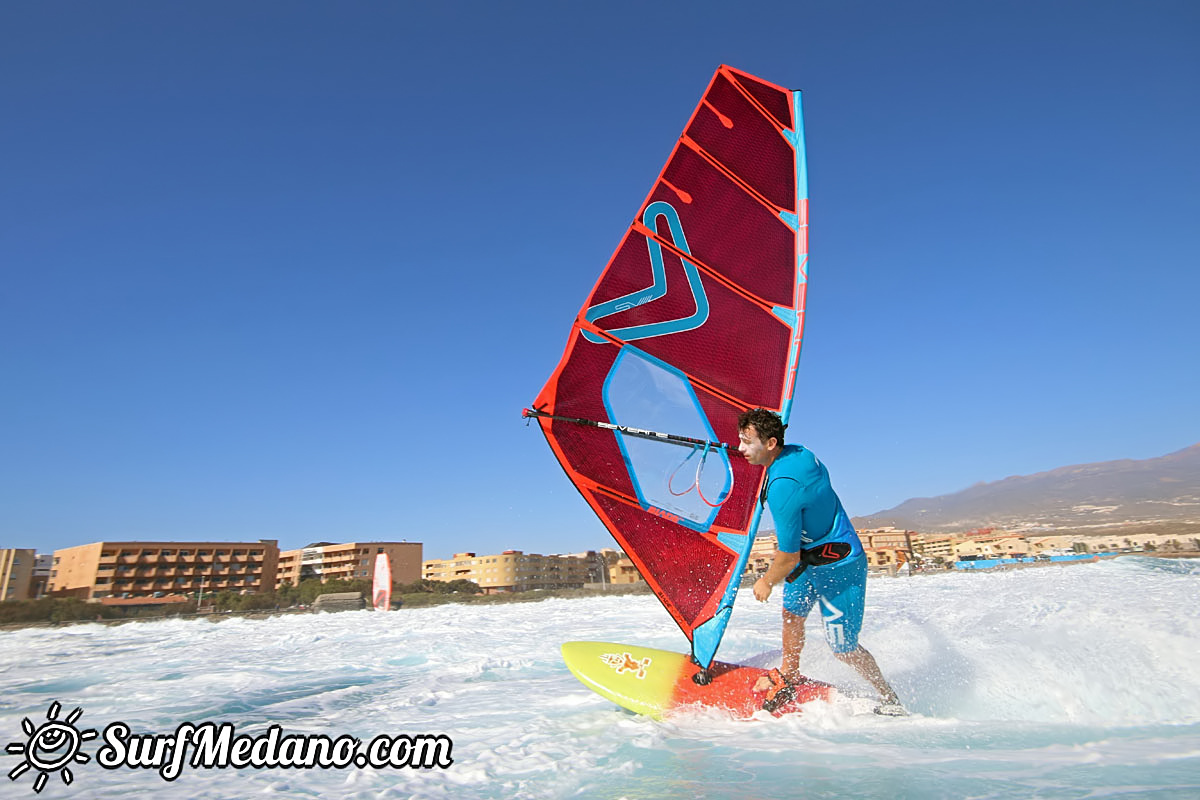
x=1065, y=681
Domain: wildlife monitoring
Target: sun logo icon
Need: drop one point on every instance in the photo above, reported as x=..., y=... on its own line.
x=52, y=746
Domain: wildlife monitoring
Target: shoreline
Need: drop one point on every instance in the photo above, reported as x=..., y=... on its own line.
x=534, y=596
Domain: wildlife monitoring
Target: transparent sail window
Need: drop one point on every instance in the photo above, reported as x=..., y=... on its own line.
x=688, y=481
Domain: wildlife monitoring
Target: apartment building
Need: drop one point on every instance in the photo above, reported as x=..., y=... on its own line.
x=156, y=569
x=513, y=570
x=623, y=572
x=42, y=564
x=886, y=548
x=16, y=573
x=993, y=547
x=886, y=538
x=761, y=553
x=348, y=560
x=1111, y=541
x=601, y=564
x=933, y=545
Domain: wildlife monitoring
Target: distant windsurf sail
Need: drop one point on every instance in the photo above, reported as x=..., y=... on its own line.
x=697, y=317
x=381, y=591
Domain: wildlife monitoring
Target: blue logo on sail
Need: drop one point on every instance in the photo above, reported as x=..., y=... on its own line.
x=658, y=288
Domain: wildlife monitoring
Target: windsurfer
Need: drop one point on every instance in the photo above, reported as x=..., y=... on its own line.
x=818, y=553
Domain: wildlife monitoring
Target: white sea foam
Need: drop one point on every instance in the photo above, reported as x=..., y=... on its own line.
x=1053, y=682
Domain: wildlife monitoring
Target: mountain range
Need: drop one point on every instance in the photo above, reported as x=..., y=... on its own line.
x=1085, y=496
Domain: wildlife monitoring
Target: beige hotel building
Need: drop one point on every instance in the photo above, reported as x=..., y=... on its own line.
x=515, y=571
x=16, y=573
x=157, y=569
x=348, y=561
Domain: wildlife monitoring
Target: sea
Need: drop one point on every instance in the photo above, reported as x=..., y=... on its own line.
x=1061, y=681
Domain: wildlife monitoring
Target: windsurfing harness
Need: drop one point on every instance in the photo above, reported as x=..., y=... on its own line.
x=828, y=553
x=697, y=317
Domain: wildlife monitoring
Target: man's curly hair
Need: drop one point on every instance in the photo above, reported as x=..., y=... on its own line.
x=767, y=423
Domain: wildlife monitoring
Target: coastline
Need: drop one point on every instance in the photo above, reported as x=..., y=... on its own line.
x=537, y=595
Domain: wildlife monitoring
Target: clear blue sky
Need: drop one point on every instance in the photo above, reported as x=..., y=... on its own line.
x=291, y=269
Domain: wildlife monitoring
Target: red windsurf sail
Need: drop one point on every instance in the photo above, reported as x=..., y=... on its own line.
x=697, y=317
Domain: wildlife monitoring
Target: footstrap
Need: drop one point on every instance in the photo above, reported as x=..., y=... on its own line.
x=780, y=693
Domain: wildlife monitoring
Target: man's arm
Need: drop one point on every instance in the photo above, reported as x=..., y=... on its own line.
x=782, y=565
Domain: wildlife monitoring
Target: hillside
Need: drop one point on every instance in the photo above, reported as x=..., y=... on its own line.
x=1148, y=491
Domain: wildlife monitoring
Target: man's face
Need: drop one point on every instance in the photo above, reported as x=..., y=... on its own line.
x=755, y=450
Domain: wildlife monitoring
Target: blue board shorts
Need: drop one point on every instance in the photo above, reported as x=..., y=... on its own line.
x=841, y=588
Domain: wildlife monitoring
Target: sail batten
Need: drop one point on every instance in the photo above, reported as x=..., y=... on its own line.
x=696, y=317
